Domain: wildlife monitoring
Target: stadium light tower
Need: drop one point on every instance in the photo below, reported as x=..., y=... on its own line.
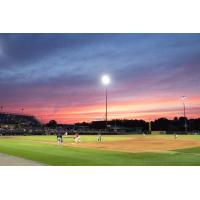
x=106, y=81
x=184, y=112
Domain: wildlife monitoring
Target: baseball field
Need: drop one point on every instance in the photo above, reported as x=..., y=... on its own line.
x=120, y=150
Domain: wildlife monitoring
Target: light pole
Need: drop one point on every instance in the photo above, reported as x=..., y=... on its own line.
x=1, y=108
x=106, y=81
x=149, y=126
x=184, y=112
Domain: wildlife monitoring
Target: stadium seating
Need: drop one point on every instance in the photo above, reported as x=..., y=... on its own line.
x=18, y=119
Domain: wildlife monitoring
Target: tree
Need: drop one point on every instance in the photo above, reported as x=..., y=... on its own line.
x=52, y=124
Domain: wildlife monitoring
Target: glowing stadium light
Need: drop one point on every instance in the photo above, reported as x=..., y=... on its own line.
x=183, y=97
x=105, y=79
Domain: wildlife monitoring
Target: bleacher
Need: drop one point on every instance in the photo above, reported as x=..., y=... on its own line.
x=18, y=119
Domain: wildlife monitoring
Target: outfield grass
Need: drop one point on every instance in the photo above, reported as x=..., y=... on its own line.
x=28, y=147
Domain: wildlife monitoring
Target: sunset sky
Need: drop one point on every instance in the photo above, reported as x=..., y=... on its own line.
x=58, y=76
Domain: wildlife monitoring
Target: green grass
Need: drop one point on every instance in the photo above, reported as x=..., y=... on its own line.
x=29, y=147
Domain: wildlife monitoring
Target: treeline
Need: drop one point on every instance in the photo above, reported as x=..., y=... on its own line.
x=161, y=124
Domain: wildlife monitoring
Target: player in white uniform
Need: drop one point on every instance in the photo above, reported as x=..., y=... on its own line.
x=99, y=137
x=66, y=133
x=77, y=138
x=175, y=136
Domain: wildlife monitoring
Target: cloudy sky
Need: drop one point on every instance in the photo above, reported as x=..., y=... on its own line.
x=58, y=76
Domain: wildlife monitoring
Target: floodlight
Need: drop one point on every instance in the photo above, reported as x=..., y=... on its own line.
x=183, y=97
x=105, y=79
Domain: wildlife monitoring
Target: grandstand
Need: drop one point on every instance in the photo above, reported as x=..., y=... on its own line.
x=13, y=119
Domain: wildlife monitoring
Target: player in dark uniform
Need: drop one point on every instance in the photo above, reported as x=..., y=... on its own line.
x=59, y=138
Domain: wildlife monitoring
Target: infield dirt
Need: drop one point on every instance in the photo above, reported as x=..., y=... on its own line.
x=140, y=144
